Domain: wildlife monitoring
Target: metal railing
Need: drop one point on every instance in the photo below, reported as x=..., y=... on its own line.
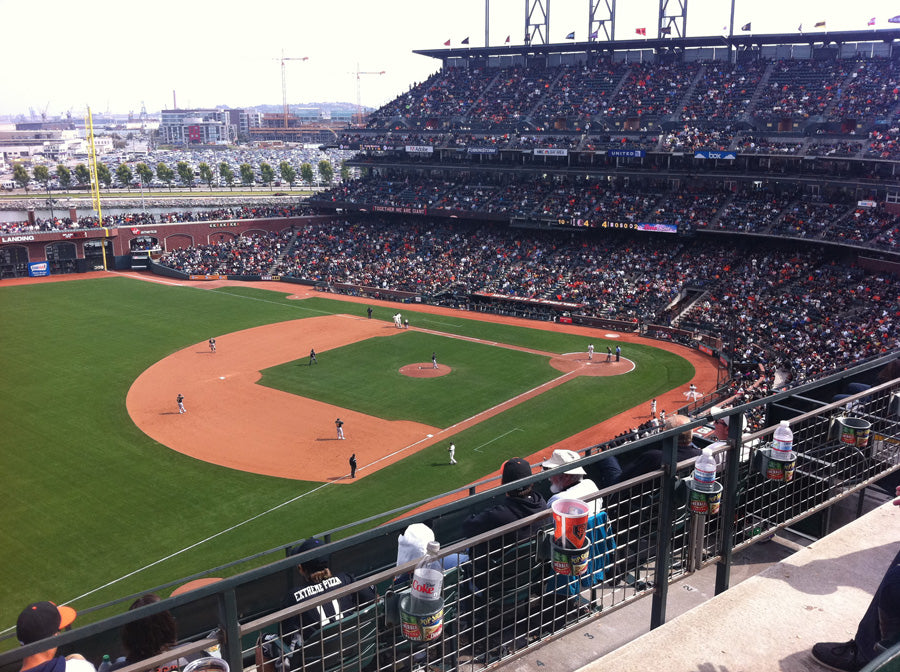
x=503, y=597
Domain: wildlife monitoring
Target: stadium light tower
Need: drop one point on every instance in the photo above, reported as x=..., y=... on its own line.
x=537, y=21
x=672, y=18
x=359, y=74
x=284, y=103
x=599, y=21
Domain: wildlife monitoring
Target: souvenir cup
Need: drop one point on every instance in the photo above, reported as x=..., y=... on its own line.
x=570, y=519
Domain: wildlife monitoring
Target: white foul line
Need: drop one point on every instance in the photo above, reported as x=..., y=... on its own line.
x=497, y=438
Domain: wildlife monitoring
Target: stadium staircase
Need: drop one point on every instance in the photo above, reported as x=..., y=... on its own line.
x=287, y=248
x=760, y=88
x=848, y=80
x=689, y=298
x=529, y=115
x=484, y=92
x=688, y=95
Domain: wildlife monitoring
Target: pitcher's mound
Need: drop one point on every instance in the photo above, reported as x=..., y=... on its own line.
x=424, y=370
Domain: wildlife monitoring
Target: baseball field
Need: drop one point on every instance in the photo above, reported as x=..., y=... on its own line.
x=108, y=490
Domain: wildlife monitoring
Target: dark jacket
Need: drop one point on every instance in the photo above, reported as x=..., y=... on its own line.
x=492, y=561
x=509, y=511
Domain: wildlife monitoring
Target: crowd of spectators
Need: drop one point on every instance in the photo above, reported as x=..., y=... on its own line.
x=785, y=213
x=249, y=211
x=249, y=254
x=699, y=93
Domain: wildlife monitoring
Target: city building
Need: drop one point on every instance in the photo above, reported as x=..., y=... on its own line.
x=196, y=127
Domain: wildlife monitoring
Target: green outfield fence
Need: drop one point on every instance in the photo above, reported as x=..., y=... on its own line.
x=505, y=599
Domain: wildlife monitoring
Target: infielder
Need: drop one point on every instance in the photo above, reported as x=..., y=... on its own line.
x=434, y=361
x=340, y=428
x=180, y=400
x=312, y=357
x=591, y=351
x=212, y=345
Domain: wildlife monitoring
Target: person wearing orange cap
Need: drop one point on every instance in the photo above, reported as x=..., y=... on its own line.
x=42, y=620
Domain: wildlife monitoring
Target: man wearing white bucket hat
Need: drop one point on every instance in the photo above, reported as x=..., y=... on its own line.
x=570, y=484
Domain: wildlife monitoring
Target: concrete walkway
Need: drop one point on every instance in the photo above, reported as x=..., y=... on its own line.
x=771, y=620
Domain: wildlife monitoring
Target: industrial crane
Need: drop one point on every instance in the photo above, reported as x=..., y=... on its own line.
x=359, y=117
x=284, y=82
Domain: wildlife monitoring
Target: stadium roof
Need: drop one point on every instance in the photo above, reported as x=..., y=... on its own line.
x=668, y=44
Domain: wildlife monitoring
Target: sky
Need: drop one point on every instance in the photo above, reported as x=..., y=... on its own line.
x=62, y=55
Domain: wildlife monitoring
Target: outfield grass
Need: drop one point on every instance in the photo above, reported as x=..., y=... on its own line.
x=89, y=498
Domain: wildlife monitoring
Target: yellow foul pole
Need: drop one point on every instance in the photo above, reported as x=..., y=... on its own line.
x=95, y=183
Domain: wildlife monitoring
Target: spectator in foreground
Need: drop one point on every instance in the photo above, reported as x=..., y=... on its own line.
x=650, y=459
x=316, y=578
x=42, y=620
x=878, y=630
x=519, y=503
x=149, y=636
x=570, y=484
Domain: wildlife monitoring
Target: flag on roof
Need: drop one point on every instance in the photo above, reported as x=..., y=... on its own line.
x=593, y=35
x=447, y=43
x=871, y=21
x=894, y=19
x=507, y=40
x=641, y=31
x=800, y=28
x=665, y=30
x=820, y=24
x=571, y=36
x=465, y=41
x=746, y=26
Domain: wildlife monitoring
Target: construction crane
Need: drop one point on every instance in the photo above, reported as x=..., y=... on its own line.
x=284, y=103
x=359, y=118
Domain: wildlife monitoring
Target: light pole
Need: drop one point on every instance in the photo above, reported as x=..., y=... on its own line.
x=141, y=181
x=50, y=202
